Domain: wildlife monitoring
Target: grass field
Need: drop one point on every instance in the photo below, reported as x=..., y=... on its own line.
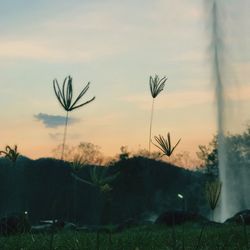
x=141, y=238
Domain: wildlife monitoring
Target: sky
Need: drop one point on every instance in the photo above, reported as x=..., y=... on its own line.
x=116, y=45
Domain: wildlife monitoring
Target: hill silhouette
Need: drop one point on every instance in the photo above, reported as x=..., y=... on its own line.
x=143, y=187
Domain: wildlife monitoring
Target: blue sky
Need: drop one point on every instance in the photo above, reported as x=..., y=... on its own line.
x=116, y=45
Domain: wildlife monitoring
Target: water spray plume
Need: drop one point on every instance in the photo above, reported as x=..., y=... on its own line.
x=228, y=202
x=218, y=67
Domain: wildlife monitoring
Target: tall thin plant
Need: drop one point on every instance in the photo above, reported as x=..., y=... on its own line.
x=156, y=85
x=64, y=95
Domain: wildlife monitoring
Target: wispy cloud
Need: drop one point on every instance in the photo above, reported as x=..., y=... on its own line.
x=171, y=100
x=182, y=99
x=86, y=33
x=53, y=121
x=49, y=52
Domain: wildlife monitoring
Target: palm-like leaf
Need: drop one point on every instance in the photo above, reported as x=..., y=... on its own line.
x=156, y=85
x=98, y=177
x=65, y=94
x=10, y=153
x=165, y=144
x=77, y=163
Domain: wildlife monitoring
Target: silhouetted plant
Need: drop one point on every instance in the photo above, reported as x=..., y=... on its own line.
x=200, y=237
x=124, y=153
x=11, y=153
x=98, y=178
x=165, y=144
x=213, y=191
x=64, y=96
x=156, y=86
x=77, y=163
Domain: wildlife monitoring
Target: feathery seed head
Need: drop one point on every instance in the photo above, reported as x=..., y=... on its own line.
x=64, y=94
x=156, y=85
x=164, y=144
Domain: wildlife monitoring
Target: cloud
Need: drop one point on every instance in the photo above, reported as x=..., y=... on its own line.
x=89, y=33
x=53, y=121
x=49, y=52
x=188, y=98
x=174, y=100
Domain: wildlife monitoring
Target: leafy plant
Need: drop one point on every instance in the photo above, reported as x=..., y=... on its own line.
x=164, y=144
x=10, y=153
x=156, y=86
x=77, y=163
x=213, y=191
x=98, y=178
x=65, y=98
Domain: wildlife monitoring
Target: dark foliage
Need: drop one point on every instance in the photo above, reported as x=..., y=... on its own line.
x=242, y=217
x=177, y=217
x=237, y=150
x=46, y=189
x=14, y=224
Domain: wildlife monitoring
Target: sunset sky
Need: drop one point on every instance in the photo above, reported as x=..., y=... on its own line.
x=117, y=45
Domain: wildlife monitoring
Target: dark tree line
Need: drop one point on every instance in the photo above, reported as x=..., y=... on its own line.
x=46, y=189
x=237, y=150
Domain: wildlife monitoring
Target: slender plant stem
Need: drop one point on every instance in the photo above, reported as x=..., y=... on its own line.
x=52, y=235
x=75, y=201
x=200, y=237
x=150, y=128
x=64, y=134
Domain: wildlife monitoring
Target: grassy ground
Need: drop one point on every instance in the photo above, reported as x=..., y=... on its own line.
x=140, y=238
